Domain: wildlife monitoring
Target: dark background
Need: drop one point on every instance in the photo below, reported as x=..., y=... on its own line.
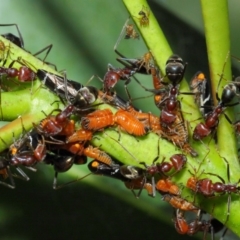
x=83, y=34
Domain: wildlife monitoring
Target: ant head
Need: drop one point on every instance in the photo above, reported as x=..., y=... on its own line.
x=196, y=170
x=175, y=69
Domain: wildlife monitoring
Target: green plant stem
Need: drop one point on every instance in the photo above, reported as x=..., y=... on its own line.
x=218, y=46
x=25, y=109
x=157, y=43
x=131, y=150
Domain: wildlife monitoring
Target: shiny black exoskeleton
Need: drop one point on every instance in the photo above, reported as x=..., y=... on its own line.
x=62, y=161
x=175, y=69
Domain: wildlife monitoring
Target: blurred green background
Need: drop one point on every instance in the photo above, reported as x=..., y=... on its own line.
x=83, y=34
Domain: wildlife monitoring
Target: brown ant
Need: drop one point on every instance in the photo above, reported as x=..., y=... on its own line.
x=23, y=74
x=211, y=226
x=208, y=188
x=113, y=75
x=27, y=151
x=165, y=185
x=57, y=125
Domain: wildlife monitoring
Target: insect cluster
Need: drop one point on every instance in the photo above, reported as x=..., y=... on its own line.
x=63, y=137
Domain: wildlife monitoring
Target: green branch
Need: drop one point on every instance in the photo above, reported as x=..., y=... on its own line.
x=219, y=57
x=129, y=150
x=157, y=43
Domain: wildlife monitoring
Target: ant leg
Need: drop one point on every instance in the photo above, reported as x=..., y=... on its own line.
x=23, y=174
x=55, y=181
x=122, y=147
x=90, y=79
x=142, y=186
x=123, y=60
x=228, y=172
x=56, y=187
x=228, y=208
x=48, y=48
x=127, y=92
x=146, y=89
x=65, y=84
x=228, y=169
x=20, y=41
x=221, y=76
x=119, y=133
x=224, y=233
x=12, y=185
x=213, y=174
x=127, y=62
x=32, y=169
x=228, y=119
x=153, y=187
